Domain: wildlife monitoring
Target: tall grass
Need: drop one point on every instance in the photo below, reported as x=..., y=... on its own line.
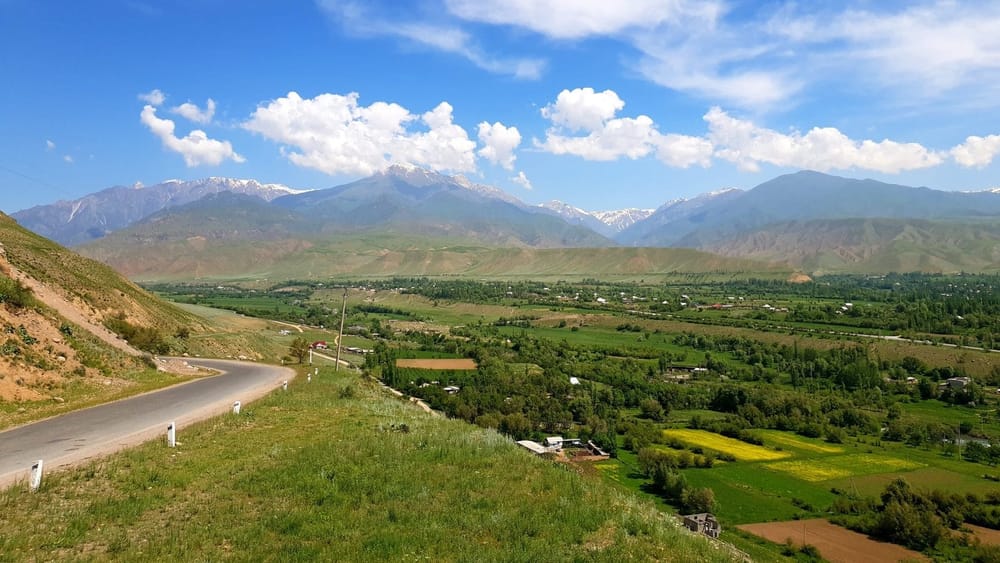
x=334, y=470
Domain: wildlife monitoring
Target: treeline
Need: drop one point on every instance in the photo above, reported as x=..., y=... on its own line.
x=920, y=520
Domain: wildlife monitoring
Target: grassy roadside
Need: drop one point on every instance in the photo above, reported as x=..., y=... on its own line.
x=335, y=470
x=78, y=394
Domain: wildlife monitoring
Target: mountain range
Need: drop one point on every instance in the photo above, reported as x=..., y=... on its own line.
x=96, y=215
x=806, y=220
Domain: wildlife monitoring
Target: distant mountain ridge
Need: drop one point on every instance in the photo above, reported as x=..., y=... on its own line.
x=871, y=245
x=763, y=223
x=607, y=223
x=95, y=215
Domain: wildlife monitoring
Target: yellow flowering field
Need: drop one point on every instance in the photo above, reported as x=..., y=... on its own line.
x=841, y=466
x=787, y=440
x=710, y=440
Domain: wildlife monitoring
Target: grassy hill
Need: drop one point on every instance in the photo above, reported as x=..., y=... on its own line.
x=337, y=470
x=872, y=245
x=389, y=254
x=64, y=321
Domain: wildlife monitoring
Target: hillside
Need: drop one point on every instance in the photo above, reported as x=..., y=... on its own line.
x=338, y=471
x=871, y=245
x=388, y=254
x=802, y=196
x=57, y=310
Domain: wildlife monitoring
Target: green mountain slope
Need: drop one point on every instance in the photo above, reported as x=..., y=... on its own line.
x=872, y=245
x=806, y=196
x=388, y=254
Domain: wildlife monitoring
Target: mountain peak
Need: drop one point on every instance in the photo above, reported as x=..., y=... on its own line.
x=94, y=215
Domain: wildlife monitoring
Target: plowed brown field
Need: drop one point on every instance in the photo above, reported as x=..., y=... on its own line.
x=834, y=543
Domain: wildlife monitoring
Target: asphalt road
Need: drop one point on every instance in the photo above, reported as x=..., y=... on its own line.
x=78, y=436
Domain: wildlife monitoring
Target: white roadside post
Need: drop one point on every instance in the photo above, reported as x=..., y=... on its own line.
x=36, y=476
x=310, y=356
x=236, y=407
x=309, y=378
x=171, y=435
x=284, y=385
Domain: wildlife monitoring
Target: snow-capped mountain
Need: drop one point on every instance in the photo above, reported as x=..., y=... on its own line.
x=621, y=219
x=421, y=177
x=575, y=216
x=95, y=215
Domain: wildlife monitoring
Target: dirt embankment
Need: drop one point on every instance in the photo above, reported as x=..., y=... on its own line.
x=68, y=310
x=37, y=359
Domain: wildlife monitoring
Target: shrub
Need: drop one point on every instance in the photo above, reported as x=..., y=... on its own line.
x=14, y=293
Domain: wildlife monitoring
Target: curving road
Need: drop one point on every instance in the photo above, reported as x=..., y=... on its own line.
x=85, y=434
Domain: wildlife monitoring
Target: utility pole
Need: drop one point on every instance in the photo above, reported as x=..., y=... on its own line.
x=340, y=339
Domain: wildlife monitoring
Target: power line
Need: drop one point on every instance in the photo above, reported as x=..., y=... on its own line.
x=62, y=191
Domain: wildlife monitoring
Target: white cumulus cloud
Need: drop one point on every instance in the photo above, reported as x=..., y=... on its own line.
x=583, y=108
x=682, y=151
x=154, y=98
x=192, y=112
x=608, y=137
x=977, y=152
x=68, y=159
x=821, y=148
x=49, y=145
x=334, y=134
x=196, y=147
x=499, y=143
x=522, y=180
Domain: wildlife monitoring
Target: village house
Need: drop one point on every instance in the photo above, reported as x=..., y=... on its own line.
x=956, y=382
x=703, y=523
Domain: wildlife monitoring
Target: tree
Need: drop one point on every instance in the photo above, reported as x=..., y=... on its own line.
x=699, y=500
x=299, y=348
x=652, y=409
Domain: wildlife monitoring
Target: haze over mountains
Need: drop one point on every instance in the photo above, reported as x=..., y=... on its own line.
x=817, y=222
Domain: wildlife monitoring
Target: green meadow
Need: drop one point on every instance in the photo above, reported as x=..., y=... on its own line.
x=335, y=470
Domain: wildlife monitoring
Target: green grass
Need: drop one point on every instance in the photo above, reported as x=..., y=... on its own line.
x=334, y=470
x=944, y=413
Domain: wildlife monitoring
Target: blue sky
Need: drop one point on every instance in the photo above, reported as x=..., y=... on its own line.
x=599, y=104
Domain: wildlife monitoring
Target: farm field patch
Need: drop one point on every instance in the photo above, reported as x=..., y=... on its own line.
x=437, y=363
x=926, y=478
x=740, y=450
x=841, y=466
x=790, y=441
x=836, y=544
x=746, y=493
